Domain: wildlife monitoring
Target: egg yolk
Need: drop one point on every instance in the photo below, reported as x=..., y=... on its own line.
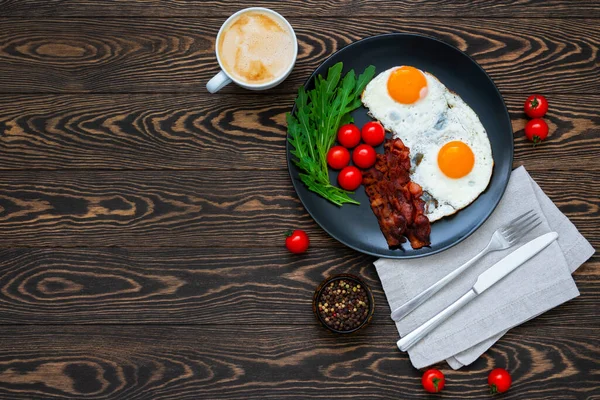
x=406, y=85
x=456, y=159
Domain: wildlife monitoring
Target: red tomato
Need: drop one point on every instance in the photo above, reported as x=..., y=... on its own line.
x=373, y=133
x=433, y=380
x=499, y=380
x=348, y=136
x=338, y=157
x=350, y=178
x=297, y=241
x=536, y=106
x=536, y=130
x=364, y=156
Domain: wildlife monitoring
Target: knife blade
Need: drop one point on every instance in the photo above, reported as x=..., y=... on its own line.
x=509, y=263
x=484, y=281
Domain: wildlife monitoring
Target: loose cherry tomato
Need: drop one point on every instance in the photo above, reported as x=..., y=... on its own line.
x=433, y=380
x=499, y=380
x=373, y=133
x=364, y=156
x=536, y=130
x=536, y=106
x=348, y=136
x=338, y=157
x=350, y=178
x=297, y=241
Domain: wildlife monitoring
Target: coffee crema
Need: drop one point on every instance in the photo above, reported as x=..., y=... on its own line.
x=256, y=48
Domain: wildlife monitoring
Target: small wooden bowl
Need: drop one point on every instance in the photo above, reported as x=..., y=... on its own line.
x=348, y=277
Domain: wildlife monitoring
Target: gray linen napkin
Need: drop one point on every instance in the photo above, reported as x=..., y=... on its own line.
x=539, y=285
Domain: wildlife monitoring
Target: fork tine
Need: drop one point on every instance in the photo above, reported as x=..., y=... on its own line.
x=514, y=221
x=523, y=224
x=524, y=231
x=515, y=227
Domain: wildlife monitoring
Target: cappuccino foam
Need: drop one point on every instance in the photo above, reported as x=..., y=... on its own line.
x=256, y=47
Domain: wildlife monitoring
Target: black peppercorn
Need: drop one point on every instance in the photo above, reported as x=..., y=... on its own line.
x=343, y=305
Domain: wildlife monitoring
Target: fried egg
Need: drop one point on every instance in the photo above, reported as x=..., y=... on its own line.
x=454, y=165
x=451, y=156
x=404, y=99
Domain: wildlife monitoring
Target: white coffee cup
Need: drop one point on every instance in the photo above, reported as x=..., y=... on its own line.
x=223, y=78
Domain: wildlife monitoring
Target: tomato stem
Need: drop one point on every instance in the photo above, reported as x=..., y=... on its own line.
x=436, y=382
x=493, y=389
x=534, y=102
x=288, y=233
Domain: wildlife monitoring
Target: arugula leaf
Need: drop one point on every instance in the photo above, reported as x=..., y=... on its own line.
x=313, y=128
x=333, y=76
x=364, y=79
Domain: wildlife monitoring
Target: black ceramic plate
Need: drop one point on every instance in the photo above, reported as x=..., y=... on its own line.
x=356, y=226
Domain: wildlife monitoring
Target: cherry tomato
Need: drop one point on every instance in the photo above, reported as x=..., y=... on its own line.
x=536, y=106
x=499, y=380
x=433, y=380
x=297, y=241
x=536, y=130
x=350, y=178
x=364, y=156
x=348, y=136
x=373, y=133
x=338, y=157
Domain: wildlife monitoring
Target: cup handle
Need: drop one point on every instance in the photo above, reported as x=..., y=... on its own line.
x=218, y=82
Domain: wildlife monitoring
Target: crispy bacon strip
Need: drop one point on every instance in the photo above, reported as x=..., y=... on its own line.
x=395, y=200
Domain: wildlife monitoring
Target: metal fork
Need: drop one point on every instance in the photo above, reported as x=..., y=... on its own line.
x=504, y=238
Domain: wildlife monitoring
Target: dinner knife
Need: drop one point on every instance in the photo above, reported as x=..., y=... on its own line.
x=484, y=281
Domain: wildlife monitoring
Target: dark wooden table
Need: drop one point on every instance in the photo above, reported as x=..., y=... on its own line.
x=141, y=218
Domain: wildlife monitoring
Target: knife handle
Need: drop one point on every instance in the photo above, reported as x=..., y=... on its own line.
x=409, y=340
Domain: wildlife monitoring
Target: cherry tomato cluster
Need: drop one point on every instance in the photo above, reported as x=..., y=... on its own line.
x=363, y=155
x=499, y=380
x=536, y=107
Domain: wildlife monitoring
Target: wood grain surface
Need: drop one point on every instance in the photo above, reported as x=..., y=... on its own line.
x=215, y=209
x=225, y=132
x=191, y=286
x=177, y=54
x=277, y=362
x=322, y=8
x=142, y=220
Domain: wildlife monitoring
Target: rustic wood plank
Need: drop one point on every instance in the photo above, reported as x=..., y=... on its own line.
x=194, y=131
x=176, y=54
x=284, y=362
x=150, y=208
x=201, y=286
x=182, y=286
x=341, y=8
x=143, y=131
x=198, y=208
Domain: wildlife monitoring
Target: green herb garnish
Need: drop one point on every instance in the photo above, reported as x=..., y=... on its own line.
x=313, y=128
